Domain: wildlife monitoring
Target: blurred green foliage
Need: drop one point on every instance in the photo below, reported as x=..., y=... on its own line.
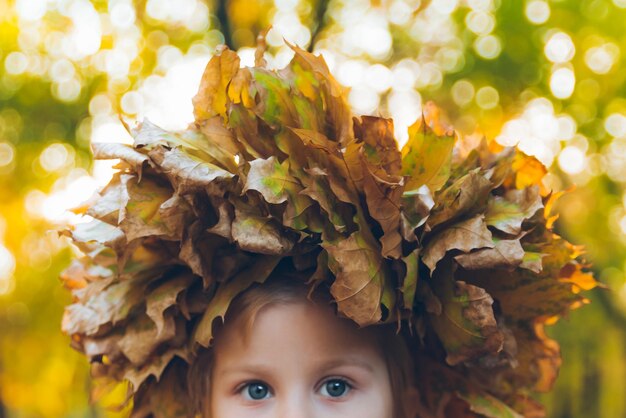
x=544, y=75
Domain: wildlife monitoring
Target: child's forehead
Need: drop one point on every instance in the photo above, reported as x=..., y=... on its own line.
x=304, y=334
x=298, y=321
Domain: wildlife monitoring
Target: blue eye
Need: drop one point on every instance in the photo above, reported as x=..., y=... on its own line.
x=256, y=391
x=335, y=388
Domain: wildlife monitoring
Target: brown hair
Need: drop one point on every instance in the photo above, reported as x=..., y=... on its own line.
x=289, y=290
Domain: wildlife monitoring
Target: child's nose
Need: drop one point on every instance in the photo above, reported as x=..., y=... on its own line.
x=296, y=405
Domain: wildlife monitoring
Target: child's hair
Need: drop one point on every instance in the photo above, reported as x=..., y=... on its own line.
x=392, y=342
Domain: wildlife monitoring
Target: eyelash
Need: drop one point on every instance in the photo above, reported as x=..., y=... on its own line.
x=244, y=386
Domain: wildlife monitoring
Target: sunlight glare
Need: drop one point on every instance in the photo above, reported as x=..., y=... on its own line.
x=601, y=59
x=167, y=99
x=7, y=153
x=68, y=193
x=480, y=22
x=56, y=156
x=378, y=77
x=572, y=160
x=16, y=63
x=615, y=125
x=109, y=129
x=30, y=10
x=487, y=97
x=488, y=47
x=404, y=108
x=86, y=32
x=560, y=48
x=537, y=11
x=622, y=225
x=562, y=83
x=7, y=268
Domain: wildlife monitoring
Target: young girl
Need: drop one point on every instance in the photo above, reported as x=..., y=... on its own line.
x=280, y=258
x=281, y=354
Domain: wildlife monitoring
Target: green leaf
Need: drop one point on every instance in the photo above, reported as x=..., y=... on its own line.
x=409, y=284
x=466, y=326
x=533, y=261
x=318, y=188
x=276, y=107
x=251, y=132
x=508, y=212
x=426, y=157
x=337, y=110
x=488, y=406
x=416, y=206
x=143, y=217
x=274, y=181
x=465, y=197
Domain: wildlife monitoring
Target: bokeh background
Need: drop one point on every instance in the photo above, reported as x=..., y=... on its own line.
x=547, y=76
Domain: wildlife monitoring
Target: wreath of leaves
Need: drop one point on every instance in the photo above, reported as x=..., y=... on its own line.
x=453, y=240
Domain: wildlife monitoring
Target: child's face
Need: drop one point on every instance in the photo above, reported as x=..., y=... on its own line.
x=299, y=360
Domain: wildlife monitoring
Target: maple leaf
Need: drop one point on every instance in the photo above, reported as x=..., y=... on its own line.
x=361, y=278
x=426, y=157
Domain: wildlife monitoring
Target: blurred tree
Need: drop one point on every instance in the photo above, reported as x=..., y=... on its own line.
x=543, y=75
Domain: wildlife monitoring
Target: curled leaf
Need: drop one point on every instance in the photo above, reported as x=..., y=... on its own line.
x=465, y=236
x=211, y=98
x=383, y=197
x=466, y=326
x=507, y=213
x=506, y=254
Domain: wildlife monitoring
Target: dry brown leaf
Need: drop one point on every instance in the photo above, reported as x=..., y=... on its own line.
x=466, y=236
x=507, y=255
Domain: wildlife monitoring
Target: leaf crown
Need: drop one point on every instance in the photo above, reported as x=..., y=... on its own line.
x=454, y=242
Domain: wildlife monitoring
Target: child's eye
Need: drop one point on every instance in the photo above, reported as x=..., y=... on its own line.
x=255, y=391
x=335, y=388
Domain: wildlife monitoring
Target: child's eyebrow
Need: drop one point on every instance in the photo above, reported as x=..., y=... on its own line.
x=257, y=369
x=263, y=369
x=346, y=361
